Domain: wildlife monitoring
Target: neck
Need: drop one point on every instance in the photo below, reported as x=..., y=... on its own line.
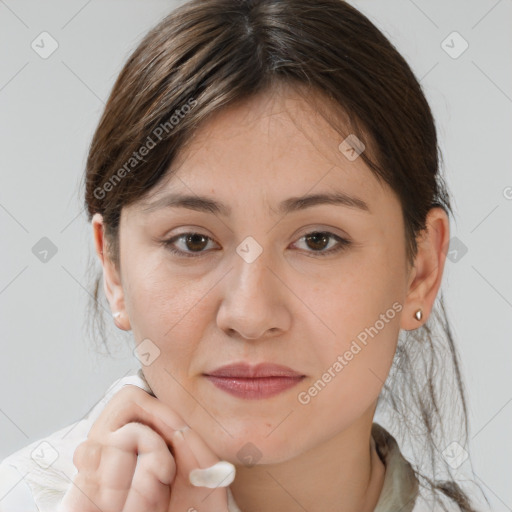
x=342, y=474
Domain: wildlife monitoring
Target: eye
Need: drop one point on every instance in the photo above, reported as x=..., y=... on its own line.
x=194, y=243
x=320, y=239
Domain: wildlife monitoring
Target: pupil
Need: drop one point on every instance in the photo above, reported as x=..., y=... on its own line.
x=316, y=236
x=192, y=239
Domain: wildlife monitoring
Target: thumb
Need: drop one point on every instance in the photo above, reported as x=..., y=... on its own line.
x=201, y=478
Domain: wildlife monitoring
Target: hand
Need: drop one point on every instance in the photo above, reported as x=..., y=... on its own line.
x=135, y=460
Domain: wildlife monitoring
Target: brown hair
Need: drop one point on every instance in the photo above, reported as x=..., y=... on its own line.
x=209, y=54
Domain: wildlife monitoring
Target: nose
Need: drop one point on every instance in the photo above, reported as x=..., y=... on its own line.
x=254, y=301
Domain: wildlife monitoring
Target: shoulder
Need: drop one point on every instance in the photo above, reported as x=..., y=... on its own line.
x=401, y=487
x=402, y=490
x=41, y=472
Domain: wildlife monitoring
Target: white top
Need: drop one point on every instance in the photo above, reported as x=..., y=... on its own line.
x=35, y=478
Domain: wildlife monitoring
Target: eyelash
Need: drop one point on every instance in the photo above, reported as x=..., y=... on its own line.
x=342, y=244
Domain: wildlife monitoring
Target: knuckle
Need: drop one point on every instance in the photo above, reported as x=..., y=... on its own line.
x=128, y=393
x=123, y=404
x=126, y=400
x=165, y=467
x=151, y=439
x=122, y=399
x=152, y=501
x=87, y=455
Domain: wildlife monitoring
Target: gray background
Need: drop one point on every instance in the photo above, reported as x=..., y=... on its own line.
x=51, y=372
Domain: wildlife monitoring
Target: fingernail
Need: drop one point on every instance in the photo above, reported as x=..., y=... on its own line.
x=178, y=434
x=220, y=474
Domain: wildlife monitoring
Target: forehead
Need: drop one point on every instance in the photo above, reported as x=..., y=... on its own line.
x=274, y=145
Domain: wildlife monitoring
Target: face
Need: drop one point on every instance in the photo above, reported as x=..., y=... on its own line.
x=318, y=287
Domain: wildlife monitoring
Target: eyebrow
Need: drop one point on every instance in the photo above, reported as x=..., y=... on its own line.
x=293, y=204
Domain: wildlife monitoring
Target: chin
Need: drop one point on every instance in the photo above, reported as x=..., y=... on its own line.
x=249, y=447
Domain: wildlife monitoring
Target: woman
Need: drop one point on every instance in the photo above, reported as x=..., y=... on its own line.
x=267, y=207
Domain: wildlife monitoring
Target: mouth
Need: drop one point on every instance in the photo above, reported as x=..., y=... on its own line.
x=254, y=382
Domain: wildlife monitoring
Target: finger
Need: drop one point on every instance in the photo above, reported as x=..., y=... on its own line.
x=76, y=499
x=148, y=492
x=91, y=460
x=220, y=476
x=150, y=488
x=184, y=457
x=87, y=492
x=184, y=495
x=140, y=440
x=87, y=455
x=133, y=404
x=119, y=470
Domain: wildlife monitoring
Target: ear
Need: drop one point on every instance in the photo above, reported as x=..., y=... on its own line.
x=111, y=275
x=426, y=275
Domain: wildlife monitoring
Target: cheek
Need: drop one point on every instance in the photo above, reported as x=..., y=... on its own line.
x=166, y=308
x=169, y=310
x=351, y=376
x=353, y=297
x=159, y=294
x=357, y=315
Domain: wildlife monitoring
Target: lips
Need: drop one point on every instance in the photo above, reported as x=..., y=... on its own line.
x=254, y=381
x=247, y=371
